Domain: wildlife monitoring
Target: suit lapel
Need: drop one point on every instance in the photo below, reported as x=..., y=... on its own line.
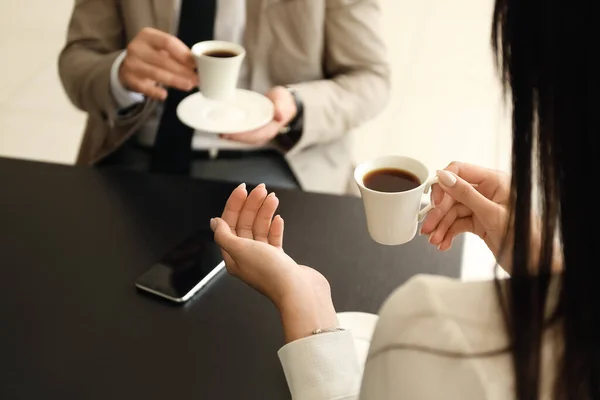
x=164, y=14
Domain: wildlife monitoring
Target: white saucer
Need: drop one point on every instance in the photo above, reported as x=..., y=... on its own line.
x=246, y=111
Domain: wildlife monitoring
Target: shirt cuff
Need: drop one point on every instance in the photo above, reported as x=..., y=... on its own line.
x=122, y=96
x=323, y=366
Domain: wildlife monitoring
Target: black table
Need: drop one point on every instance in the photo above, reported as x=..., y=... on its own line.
x=73, y=241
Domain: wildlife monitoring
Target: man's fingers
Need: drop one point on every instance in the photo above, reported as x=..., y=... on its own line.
x=147, y=87
x=244, y=136
x=160, y=75
x=259, y=136
x=163, y=41
x=277, y=96
x=162, y=59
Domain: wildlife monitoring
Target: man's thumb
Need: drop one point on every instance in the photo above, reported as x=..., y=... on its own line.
x=223, y=235
x=276, y=95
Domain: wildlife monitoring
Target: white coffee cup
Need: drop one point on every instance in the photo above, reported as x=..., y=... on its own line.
x=393, y=218
x=218, y=76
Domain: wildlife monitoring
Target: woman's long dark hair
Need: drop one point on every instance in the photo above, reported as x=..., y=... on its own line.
x=548, y=52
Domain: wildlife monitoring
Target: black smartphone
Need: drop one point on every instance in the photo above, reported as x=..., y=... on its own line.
x=184, y=270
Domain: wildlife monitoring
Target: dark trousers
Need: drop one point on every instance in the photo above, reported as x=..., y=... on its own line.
x=253, y=167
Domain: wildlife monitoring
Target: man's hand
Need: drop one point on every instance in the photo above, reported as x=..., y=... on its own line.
x=285, y=111
x=156, y=60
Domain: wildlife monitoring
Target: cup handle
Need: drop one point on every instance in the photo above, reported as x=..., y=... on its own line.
x=423, y=213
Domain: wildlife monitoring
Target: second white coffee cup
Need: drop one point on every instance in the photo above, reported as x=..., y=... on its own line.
x=393, y=218
x=218, y=65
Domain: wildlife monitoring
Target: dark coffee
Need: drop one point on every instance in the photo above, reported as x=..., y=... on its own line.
x=221, y=53
x=391, y=180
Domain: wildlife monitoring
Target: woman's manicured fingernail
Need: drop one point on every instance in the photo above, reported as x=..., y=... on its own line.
x=213, y=224
x=262, y=185
x=444, y=250
x=242, y=186
x=446, y=178
x=431, y=237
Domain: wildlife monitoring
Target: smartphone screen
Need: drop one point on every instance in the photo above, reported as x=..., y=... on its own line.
x=184, y=269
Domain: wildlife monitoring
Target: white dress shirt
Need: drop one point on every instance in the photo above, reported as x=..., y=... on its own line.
x=429, y=312
x=230, y=24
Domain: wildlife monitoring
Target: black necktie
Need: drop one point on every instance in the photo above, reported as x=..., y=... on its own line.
x=172, y=151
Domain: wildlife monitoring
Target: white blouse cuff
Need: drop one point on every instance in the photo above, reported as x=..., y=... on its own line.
x=323, y=366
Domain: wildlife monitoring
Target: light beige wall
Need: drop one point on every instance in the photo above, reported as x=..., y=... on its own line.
x=446, y=99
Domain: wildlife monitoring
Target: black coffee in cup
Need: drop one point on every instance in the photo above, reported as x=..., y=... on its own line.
x=221, y=53
x=391, y=180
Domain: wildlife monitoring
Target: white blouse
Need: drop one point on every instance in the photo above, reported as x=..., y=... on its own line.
x=428, y=312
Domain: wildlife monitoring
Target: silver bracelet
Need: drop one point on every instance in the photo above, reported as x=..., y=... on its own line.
x=328, y=330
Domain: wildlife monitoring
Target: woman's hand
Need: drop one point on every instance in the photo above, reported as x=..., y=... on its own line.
x=469, y=199
x=252, y=240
